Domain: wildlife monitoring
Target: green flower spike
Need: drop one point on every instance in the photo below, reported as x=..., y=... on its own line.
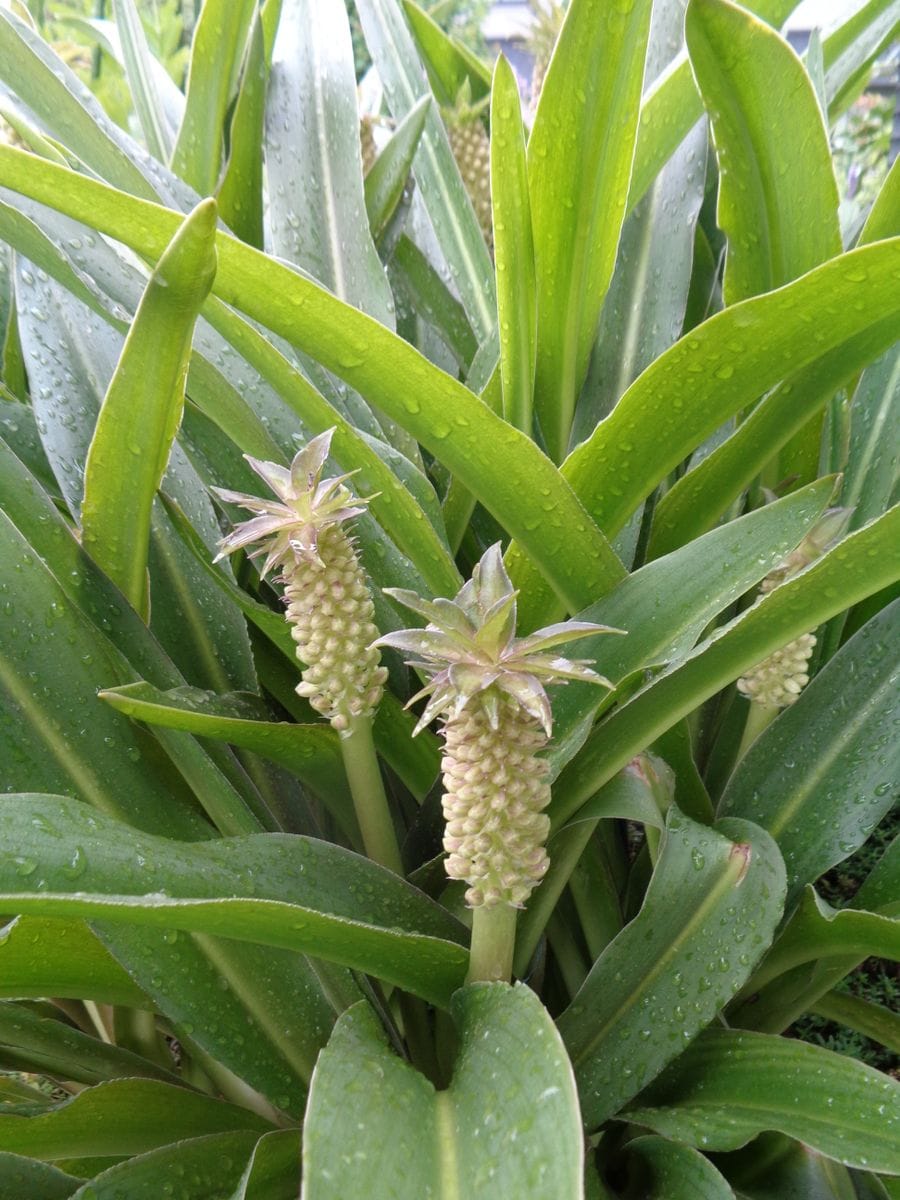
x=489, y=687
x=328, y=603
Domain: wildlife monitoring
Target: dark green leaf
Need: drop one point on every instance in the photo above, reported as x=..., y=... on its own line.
x=819, y=779
x=24, y=1177
x=728, y=1086
x=203, y=1168
x=125, y=1116
x=667, y=974
x=218, y=48
x=44, y=1046
x=274, y=889
x=142, y=408
x=387, y=177
x=40, y=957
x=507, y=1125
x=664, y=1170
x=858, y=566
x=579, y=159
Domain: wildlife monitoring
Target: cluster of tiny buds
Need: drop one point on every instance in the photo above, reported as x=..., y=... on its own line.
x=779, y=679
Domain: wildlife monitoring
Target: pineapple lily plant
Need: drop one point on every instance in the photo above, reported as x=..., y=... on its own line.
x=315, y=879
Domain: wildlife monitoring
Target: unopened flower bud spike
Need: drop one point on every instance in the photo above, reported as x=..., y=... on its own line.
x=330, y=612
x=488, y=685
x=777, y=681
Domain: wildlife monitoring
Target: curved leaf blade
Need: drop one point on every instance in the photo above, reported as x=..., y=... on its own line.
x=729, y=1086
x=664, y=1170
x=124, y=1116
x=580, y=154
x=273, y=889
x=512, y=1083
x=142, y=409
x=513, y=249
x=645, y=998
x=778, y=197
x=819, y=779
x=860, y=565
x=40, y=957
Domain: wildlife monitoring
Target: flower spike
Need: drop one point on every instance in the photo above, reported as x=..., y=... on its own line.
x=489, y=686
x=329, y=608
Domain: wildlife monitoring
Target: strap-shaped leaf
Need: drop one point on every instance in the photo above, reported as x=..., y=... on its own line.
x=144, y=74
x=667, y=974
x=293, y=892
x=216, y=53
x=122, y=1117
x=142, y=408
x=860, y=565
x=462, y=245
x=777, y=196
x=21, y=1176
x=513, y=249
x=817, y=931
x=729, y=1086
x=665, y=606
x=40, y=956
x=313, y=163
x=579, y=160
x=442, y=414
x=664, y=1170
x=814, y=779
x=311, y=752
x=29, y=1042
x=449, y=63
x=508, y=1124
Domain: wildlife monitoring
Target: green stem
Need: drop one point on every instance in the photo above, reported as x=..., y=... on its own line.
x=369, y=799
x=493, y=941
x=759, y=718
x=565, y=850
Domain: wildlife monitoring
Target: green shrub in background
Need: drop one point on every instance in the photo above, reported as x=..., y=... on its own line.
x=239, y=942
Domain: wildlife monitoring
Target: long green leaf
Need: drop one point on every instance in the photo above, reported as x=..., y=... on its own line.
x=820, y=778
x=142, y=73
x=278, y=890
x=21, y=1176
x=29, y=1042
x=579, y=160
x=126, y=1116
x=700, y=497
x=42, y=956
x=201, y=1168
x=507, y=1125
x=665, y=606
x=311, y=752
x=719, y=368
x=38, y=77
x=216, y=53
x=873, y=1020
x=664, y=1170
x=667, y=974
x=142, y=408
x=729, y=1086
x=314, y=168
x=817, y=931
x=273, y=1171
x=773, y=1164
x=449, y=63
x=500, y=466
x=513, y=249
x=777, y=196
x=445, y=196
x=240, y=194
x=387, y=177
x=860, y=565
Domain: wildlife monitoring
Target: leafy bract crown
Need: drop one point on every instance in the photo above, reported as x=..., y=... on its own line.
x=289, y=528
x=470, y=652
